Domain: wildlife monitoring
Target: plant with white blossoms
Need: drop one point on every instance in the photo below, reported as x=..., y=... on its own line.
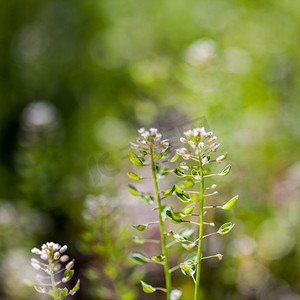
x=51, y=267
x=153, y=151
x=200, y=145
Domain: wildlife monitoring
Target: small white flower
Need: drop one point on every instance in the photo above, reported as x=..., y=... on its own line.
x=44, y=256
x=36, y=251
x=201, y=145
x=220, y=256
x=183, y=140
x=186, y=156
x=204, y=161
x=192, y=144
x=214, y=138
x=56, y=255
x=141, y=130
x=63, y=249
x=36, y=266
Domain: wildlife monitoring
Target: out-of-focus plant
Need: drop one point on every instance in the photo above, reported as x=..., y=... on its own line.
x=53, y=256
x=201, y=144
x=105, y=240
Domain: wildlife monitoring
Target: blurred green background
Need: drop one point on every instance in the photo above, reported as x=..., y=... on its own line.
x=78, y=78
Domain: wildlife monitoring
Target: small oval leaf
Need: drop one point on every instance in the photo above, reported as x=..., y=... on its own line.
x=174, y=158
x=173, y=217
x=139, y=257
x=188, y=268
x=134, y=176
x=231, y=203
x=147, y=288
x=178, y=172
x=225, y=228
x=138, y=239
x=75, y=288
x=225, y=171
x=189, y=247
x=148, y=199
x=183, y=197
x=133, y=191
x=188, y=209
x=140, y=227
x=158, y=258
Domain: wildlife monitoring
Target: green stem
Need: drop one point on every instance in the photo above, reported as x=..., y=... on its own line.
x=201, y=195
x=52, y=279
x=162, y=229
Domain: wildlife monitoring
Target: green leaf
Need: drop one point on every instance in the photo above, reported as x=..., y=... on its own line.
x=178, y=189
x=189, y=247
x=173, y=217
x=195, y=174
x=133, y=191
x=183, y=197
x=169, y=193
x=62, y=293
x=186, y=232
x=40, y=289
x=75, y=288
x=159, y=258
x=68, y=274
x=225, y=171
x=225, y=228
x=188, y=268
x=222, y=157
x=195, y=197
x=174, y=158
x=134, y=176
x=157, y=156
x=179, y=238
x=175, y=294
x=178, y=172
x=147, y=288
x=231, y=203
x=189, y=183
x=137, y=161
x=148, y=199
x=188, y=209
x=140, y=227
x=138, y=239
x=139, y=257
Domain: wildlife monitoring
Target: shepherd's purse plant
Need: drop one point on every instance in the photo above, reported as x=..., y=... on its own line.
x=51, y=272
x=191, y=189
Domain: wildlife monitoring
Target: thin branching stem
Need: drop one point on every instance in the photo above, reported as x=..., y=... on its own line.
x=162, y=228
x=53, y=283
x=201, y=195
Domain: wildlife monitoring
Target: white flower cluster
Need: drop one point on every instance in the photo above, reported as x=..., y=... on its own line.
x=201, y=142
x=50, y=251
x=151, y=137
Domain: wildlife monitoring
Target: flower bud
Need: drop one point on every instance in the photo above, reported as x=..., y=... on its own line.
x=70, y=265
x=63, y=249
x=64, y=258
x=56, y=255
x=36, y=251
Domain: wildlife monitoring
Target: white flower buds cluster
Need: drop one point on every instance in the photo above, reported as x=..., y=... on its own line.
x=151, y=137
x=51, y=251
x=201, y=142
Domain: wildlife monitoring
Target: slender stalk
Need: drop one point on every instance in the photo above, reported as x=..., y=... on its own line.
x=201, y=195
x=52, y=279
x=162, y=229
